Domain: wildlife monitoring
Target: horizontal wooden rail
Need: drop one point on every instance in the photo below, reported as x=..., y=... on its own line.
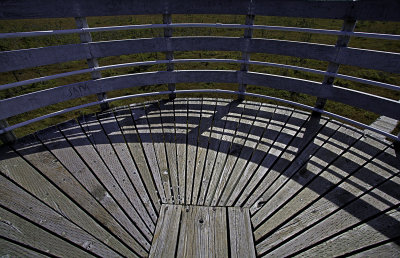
x=203, y=60
x=27, y=58
x=35, y=100
x=386, y=10
x=345, y=119
x=200, y=25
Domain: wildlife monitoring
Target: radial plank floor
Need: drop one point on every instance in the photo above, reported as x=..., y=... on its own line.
x=200, y=177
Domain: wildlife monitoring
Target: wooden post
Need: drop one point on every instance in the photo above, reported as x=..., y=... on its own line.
x=81, y=22
x=8, y=137
x=248, y=34
x=169, y=55
x=342, y=42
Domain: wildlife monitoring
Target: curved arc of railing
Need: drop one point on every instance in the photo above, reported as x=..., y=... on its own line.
x=149, y=94
x=35, y=100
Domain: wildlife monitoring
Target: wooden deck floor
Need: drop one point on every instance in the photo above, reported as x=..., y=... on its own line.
x=116, y=183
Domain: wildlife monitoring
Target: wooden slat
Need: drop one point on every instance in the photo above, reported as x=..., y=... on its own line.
x=10, y=249
x=26, y=233
x=143, y=132
x=231, y=125
x=356, y=200
x=260, y=124
x=152, y=182
x=384, y=10
x=167, y=231
x=168, y=128
x=207, y=118
x=203, y=232
x=219, y=121
x=180, y=113
x=27, y=58
x=241, y=235
x=25, y=205
x=63, y=151
x=347, y=164
x=384, y=250
x=74, y=134
x=157, y=136
x=380, y=229
x=31, y=101
x=103, y=147
x=193, y=122
x=30, y=179
x=247, y=119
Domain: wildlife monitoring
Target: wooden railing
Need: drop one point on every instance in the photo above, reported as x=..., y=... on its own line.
x=340, y=54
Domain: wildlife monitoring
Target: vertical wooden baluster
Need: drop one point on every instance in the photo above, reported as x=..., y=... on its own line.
x=342, y=42
x=169, y=55
x=81, y=22
x=8, y=137
x=248, y=34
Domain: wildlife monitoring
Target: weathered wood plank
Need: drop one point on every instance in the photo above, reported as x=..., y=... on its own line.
x=382, y=228
x=343, y=167
x=14, y=167
x=193, y=124
x=26, y=233
x=207, y=118
x=103, y=147
x=390, y=249
x=247, y=119
x=241, y=235
x=380, y=198
x=261, y=122
x=203, y=232
x=180, y=113
x=168, y=128
x=32, y=101
x=372, y=175
x=218, y=125
x=228, y=135
x=11, y=249
x=30, y=208
x=157, y=136
x=63, y=151
x=166, y=236
x=74, y=134
x=144, y=133
x=125, y=121
x=329, y=10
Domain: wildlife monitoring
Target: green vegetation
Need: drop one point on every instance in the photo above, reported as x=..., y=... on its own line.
x=58, y=24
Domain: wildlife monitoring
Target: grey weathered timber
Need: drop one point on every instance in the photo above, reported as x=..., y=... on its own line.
x=246, y=122
x=26, y=233
x=74, y=134
x=208, y=113
x=218, y=126
x=342, y=42
x=143, y=130
x=384, y=10
x=103, y=147
x=26, y=58
x=152, y=182
x=167, y=232
x=193, y=124
x=12, y=249
x=85, y=37
x=248, y=150
x=240, y=231
x=232, y=122
x=386, y=249
x=63, y=151
x=30, y=179
x=180, y=114
x=14, y=198
x=32, y=101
